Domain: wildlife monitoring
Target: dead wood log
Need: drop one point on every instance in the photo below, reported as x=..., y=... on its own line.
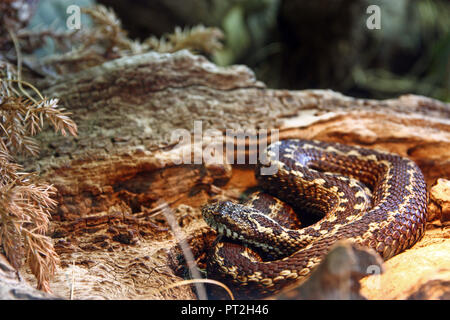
x=108, y=228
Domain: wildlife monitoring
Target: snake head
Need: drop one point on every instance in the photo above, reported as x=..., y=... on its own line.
x=239, y=222
x=224, y=216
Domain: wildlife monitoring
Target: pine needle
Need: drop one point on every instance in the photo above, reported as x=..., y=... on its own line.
x=25, y=202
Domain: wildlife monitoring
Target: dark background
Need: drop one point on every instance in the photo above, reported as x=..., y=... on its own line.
x=302, y=44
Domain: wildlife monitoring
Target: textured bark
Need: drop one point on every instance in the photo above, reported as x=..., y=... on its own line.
x=135, y=103
x=108, y=228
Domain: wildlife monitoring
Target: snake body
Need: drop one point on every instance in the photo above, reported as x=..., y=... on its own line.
x=372, y=198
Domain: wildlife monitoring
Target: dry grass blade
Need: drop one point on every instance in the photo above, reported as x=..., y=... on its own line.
x=193, y=281
x=179, y=236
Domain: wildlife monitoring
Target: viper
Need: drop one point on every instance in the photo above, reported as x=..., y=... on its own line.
x=372, y=198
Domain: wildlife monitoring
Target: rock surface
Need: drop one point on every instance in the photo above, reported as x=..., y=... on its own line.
x=440, y=201
x=337, y=277
x=407, y=273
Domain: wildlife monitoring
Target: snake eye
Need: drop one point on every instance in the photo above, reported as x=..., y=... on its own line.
x=212, y=209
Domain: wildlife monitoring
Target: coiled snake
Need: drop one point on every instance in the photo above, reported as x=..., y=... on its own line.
x=373, y=198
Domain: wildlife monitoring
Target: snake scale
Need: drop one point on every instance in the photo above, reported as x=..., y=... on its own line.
x=372, y=198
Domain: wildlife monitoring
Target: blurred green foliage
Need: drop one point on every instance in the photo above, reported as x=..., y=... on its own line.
x=421, y=31
x=409, y=54
x=299, y=44
x=246, y=25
